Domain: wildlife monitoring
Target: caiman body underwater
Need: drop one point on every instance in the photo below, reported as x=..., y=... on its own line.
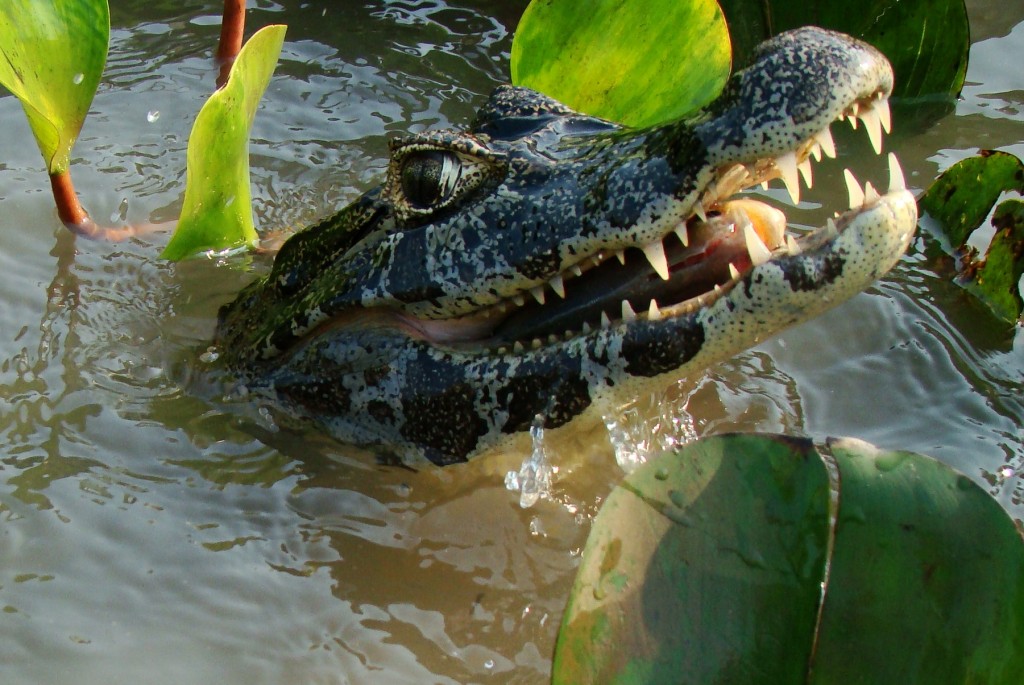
x=524, y=271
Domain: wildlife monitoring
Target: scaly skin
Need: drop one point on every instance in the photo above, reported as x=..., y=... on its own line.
x=472, y=295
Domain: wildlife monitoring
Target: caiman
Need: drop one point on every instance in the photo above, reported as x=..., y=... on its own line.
x=526, y=270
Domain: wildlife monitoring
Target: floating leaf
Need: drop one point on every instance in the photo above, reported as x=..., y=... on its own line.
x=636, y=63
x=720, y=563
x=52, y=54
x=996, y=280
x=927, y=578
x=217, y=212
x=927, y=41
x=961, y=198
x=959, y=201
x=704, y=566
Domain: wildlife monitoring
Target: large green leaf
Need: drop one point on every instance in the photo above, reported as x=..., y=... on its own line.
x=637, y=63
x=927, y=578
x=927, y=41
x=704, y=566
x=216, y=212
x=739, y=559
x=52, y=54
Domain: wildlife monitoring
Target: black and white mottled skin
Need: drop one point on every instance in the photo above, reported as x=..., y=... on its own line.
x=475, y=293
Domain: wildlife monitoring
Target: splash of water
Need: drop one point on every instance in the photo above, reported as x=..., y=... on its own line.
x=533, y=480
x=646, y=427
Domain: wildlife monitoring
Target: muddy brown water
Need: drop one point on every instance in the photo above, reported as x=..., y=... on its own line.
x=149, y=533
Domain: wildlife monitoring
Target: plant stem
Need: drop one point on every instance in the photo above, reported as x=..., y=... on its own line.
x=69, y=209
x=232, y=29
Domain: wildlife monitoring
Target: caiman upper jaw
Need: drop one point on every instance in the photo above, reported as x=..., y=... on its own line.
x=745, y=145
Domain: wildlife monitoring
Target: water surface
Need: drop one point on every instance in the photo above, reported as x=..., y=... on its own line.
x=151, y=534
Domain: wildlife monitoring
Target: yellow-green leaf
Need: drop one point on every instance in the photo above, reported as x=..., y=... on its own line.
x=52, y=54
x=217, y=212
x=634, y=62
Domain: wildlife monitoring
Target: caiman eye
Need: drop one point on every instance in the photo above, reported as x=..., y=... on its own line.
x=428, y=177
x=432, y=172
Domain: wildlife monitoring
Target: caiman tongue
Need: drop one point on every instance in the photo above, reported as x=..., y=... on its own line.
x=715, y=248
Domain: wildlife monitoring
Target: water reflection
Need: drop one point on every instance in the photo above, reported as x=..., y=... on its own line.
x=165, y=536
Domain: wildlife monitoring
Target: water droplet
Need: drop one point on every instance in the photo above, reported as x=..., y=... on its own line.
x=78, y=78
x=489, y=664
x=678, y=498
x=121, y=214
x=661, y=474
x=152, y=115
x=889, y=461
x=1006, y=472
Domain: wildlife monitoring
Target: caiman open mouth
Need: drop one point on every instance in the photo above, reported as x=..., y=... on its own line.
x=726, y=237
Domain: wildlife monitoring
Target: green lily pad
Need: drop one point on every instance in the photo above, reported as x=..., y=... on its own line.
x=53, y=54
x=704, y=566
x=217, y=212
x=927, y=577
x=927, y=41
x=763, y=559
x=636, y=63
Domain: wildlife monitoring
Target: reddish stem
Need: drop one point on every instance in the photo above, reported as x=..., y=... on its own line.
x=232, y=29
x=78, y=221
x=69, y=209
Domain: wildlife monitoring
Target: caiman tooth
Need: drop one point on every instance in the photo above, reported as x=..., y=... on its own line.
x=627, y=311
x=896, y=180
x=734, y=273
x=683, y=235
x=853, y=114
x=519, y=300
x=786, y=164
x=854, y=189
x=884, y=115
x=621, y=256
x=653, y=313
x=586, y=327
x=827, y=143
x=576, y=271
x=873, y=125
x=517, y=347
x=759, y=252
x=536, y=343
x=815, y=151
x=698, y=209
x=870, y=194
x=538, y=294
x=805, y=173
x=792, y=246
x=831, y=230
x=655, y=253
x=558, y=286
x=605, y=321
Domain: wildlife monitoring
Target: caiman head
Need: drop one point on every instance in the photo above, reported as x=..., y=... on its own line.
x=522, y=271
